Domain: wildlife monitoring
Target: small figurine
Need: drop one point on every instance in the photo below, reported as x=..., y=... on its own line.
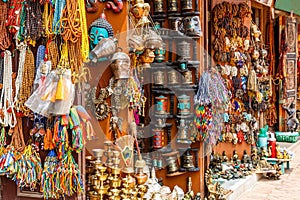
x=224, y=157
x=246, y=157
x=235, y=157
x=279, y=155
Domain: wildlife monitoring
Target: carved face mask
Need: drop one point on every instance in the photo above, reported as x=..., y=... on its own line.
x=246, y=45
x=192, y=26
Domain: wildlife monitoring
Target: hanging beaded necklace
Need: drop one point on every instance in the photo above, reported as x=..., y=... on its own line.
x=48, y=20
x=22, y=48
x=52, y=54
x=4, y=38
x=58, y=10
x=8, y=117
x=84, y=33
x=27, y=82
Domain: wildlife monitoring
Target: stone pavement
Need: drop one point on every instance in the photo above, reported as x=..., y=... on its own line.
x=286, y=188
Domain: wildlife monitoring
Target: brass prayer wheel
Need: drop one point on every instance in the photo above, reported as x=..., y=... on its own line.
x=188, y=160
x=172, y=165
x=157, y=138
x=186, y=5
x=183, y=50
x=159, y=77
x=161, y=104
x=187, y=77
x=184, y=104
x=158, y=6
x=173, y=77
x=173, y=6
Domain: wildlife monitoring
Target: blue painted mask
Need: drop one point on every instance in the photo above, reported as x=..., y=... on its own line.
x=96, y=35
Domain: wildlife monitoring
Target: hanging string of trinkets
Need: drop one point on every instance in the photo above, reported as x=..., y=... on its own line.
x=210, y=100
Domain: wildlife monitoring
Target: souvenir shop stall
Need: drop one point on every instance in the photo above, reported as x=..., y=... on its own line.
x=97, y=99
x=243, y=51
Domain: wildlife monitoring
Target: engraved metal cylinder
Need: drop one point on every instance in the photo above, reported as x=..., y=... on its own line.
x=184, y=50
x=161, y=104
x=172, y=77
x=157, y=138
x=158, y=6
x=160, y=53
x=172, y=166
x=184, y=104
x=159, y=77
x=186, y=5
x=187, y=77
x=182, y=134
x=173, y=6
x=188, y=161
x=174, y=23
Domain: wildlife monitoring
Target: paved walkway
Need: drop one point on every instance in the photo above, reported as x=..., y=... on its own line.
x=286, y=188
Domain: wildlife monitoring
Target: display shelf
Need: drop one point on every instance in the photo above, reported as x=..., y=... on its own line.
x=175, y=174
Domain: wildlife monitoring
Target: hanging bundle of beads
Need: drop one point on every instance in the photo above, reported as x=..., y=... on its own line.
x=4, y=38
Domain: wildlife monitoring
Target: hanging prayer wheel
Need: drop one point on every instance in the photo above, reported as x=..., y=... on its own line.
x=184, y=105
x=161, y=104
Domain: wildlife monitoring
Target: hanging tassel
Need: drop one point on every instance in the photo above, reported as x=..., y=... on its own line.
x=60, y=89
x=88, y=130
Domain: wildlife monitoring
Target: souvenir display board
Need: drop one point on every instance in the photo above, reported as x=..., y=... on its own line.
x=240, y=54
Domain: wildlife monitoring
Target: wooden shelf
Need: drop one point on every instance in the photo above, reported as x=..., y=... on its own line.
x=175, y=174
